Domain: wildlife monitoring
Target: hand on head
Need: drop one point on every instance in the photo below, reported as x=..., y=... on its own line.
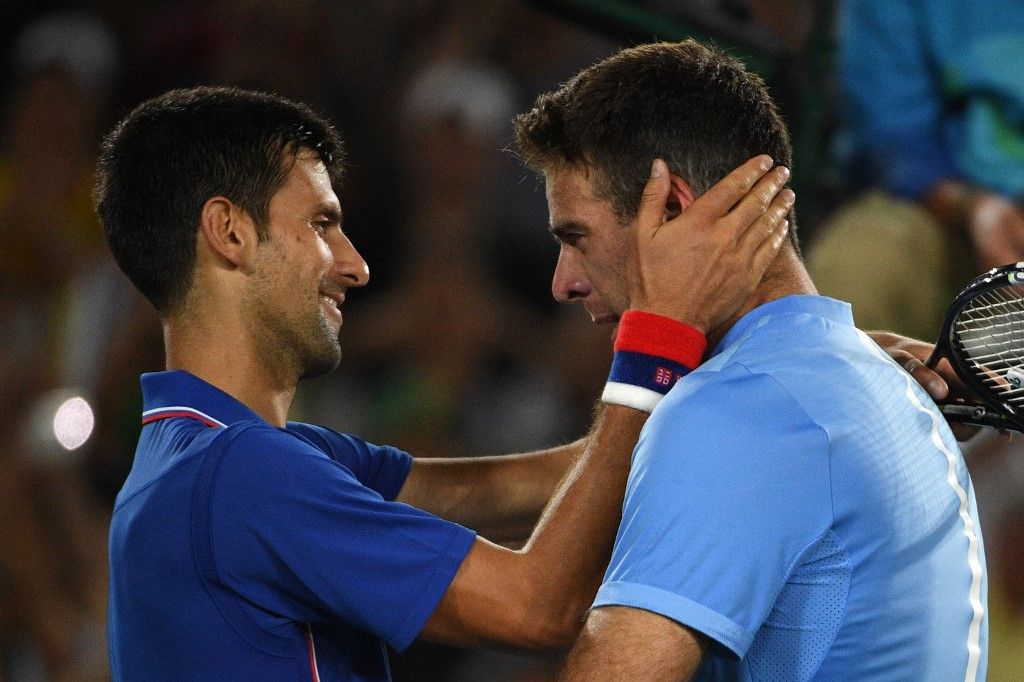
x=701, y=266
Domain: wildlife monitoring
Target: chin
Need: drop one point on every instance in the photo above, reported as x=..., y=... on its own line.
x=323, y=353
x=321, y=364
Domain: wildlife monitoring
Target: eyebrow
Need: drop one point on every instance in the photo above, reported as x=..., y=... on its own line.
x=329, y=211
x=560, y=229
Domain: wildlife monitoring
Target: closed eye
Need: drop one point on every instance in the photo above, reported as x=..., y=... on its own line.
x=326, y=217
x=568, y=238
x=569, y=233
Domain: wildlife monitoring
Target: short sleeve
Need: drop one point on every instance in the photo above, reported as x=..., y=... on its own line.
x=295, y=534
x=729, y=484
x=379, y=467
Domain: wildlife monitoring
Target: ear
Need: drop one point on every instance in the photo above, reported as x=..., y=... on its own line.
x=680, y=195
x=228, y=231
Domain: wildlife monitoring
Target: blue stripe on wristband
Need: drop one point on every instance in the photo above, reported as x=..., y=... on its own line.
x=640, y=381
x=647, y=371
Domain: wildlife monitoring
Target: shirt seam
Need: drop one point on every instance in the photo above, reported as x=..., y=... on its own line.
x=284, y=639
x=826, y=441
x=174, y=467
x=823, y=433
x=443, y=556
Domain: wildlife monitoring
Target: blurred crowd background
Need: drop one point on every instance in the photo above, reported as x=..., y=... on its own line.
x=456, y=347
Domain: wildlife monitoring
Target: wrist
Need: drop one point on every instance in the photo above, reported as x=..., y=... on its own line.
x=652, y=353
x=953, y=202
x=988, y=214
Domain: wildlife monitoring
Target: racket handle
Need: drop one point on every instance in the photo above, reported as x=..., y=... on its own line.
x=934, y=358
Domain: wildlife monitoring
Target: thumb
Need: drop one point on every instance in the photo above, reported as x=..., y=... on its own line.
x=650, y=215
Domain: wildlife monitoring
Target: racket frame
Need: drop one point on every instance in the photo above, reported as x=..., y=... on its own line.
x=993, y=411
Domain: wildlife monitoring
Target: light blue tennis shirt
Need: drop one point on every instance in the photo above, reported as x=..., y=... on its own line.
x=799, y=500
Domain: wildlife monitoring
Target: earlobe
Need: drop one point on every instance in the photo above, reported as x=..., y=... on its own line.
x=227, y=230
x=680, y=195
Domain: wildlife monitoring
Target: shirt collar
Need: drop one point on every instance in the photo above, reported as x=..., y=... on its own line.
x=839, y=312
x=177, y=393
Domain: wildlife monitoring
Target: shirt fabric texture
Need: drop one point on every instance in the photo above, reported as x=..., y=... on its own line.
x=799, y=500
x=242, y=551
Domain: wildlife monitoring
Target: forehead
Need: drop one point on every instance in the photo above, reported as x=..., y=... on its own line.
x=572, y=197
x=307, y=180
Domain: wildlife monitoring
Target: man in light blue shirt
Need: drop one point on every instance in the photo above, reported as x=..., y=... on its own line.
x=799, y=502
x=797, y=508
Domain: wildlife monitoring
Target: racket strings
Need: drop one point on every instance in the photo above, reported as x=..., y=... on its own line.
x=989, y=335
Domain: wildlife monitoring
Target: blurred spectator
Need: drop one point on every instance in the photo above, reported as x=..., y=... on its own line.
x=58, y=300
x=935, y=125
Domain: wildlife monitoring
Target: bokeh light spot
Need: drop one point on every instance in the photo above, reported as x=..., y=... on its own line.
x=73, y=422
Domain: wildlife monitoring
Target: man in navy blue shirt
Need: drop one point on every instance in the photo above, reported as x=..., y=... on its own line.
x=243, y=546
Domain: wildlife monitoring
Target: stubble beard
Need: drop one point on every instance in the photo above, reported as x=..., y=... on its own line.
x=297, y=343
x=323, y=349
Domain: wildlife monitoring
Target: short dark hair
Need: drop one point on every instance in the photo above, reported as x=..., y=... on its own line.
x=694, y=106
x=161, y=164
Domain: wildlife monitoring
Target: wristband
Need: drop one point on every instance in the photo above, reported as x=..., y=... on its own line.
x=652, y=353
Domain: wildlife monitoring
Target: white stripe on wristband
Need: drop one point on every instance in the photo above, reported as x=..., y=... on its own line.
x=629, y=395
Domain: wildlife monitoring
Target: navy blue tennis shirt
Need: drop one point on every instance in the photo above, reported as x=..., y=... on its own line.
x=243, y=551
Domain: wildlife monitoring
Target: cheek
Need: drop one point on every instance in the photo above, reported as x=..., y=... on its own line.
x=609, y=268
x=309, y=259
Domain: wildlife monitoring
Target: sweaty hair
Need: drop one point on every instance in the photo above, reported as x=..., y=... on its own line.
x=161, y=164
x=695, y=107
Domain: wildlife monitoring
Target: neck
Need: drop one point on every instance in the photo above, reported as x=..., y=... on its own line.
x=224, y=355
x=786, y=276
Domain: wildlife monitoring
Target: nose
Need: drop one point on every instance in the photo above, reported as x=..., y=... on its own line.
x=569, y=284
x=349, y=267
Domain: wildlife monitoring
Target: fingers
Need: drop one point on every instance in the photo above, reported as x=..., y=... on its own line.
x=769, y=224
x=718, y=200
x=931, y=380
x=760, y=199
x=772, y=241
x=651, y=211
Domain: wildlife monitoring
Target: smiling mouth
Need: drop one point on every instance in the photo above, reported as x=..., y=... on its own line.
x=333, y=303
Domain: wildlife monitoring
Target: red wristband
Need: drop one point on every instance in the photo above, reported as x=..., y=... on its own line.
x=650, y=334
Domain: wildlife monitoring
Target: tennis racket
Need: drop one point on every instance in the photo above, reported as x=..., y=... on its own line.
x=983, y=338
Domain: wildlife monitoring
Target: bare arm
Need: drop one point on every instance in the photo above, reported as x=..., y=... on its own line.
x=536, y=597
x=501, y=498
x=622, y=643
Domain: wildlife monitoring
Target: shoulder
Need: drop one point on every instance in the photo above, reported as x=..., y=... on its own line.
x=326, y=438
x=381, y=467
x=730, y=437
x=254, y=456
x=812, y=360
x=340, y=446
x=713, y=406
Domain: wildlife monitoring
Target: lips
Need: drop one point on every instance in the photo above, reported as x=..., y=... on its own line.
x=332, y=302
x=608, y=318
x=335, y=299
